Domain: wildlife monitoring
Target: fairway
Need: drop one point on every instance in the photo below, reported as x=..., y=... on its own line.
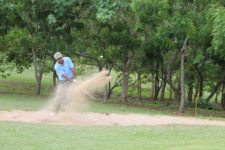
x=17, y=136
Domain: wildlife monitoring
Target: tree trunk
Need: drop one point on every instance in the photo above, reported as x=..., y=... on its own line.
x=182, y=99
x=153, y=85
x=38, y=87
x=105, y=98
x=106, y=93
x=109, y=91
x=182, y=80
x=116, y=84
x=38, y=82
x=38, y=70
x=201, y=85
x=125, y=85
x=223, y=90
x=139, y=87
x=126, y=68
x=171, y=96
x=177, y=97
x=196, y=92
x=169, y=78
x=200, y=80
x=169, y=74
x=215, y=89
x=37, y=78
x=190, y=92
x=156, y=86
x=223, y=96
x=216, y=98
x=162, y=96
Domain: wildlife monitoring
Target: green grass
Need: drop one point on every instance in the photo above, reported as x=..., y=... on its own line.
x=34, y=103
x=27, y=76
x=24, y=83
x=22, y=102
x=29, y=102
x=17, y=136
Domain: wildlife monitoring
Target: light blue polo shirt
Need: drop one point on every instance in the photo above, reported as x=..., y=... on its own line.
x=64, y=69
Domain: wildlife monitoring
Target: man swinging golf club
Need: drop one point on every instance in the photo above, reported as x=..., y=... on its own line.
x=64, y=69
x=66, y=73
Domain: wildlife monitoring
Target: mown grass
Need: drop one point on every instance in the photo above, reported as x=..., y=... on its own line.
x=17, y=136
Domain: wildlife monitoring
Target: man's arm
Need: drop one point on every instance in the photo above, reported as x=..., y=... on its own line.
x=67, y=78
x=74, y=72
x=72, y=67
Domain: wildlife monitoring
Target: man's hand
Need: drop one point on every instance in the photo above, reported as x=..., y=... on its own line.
x=69, y=79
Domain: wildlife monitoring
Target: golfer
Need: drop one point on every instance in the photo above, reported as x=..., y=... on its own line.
x=66, y=74
x=64, y=69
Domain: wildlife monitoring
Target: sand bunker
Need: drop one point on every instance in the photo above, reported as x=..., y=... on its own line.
x=95, y=119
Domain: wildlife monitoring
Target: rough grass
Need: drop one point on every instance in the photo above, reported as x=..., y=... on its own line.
x=21, y=102
x=28, y=102
x=24, y=83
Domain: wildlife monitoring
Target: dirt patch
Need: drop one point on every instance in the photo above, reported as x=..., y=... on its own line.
x=95, y=119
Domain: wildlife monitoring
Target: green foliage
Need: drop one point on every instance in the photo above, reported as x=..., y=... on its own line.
x=5, y=66
x=150, y=12
x=217, y=13
x=106, y=9
x=105, y=32
x=15, y=50
x=51, y=19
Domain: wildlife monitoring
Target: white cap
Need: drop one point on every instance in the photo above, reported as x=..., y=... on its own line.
x=57, y=55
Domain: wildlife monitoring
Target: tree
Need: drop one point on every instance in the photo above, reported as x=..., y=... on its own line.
x=45, y=21
x=217, y=51
x=150, y=20
x=119, y=18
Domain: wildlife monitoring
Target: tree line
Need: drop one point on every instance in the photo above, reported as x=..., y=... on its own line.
x=175, y=44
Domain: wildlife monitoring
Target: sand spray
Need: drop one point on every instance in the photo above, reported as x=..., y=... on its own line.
x=74, y=96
